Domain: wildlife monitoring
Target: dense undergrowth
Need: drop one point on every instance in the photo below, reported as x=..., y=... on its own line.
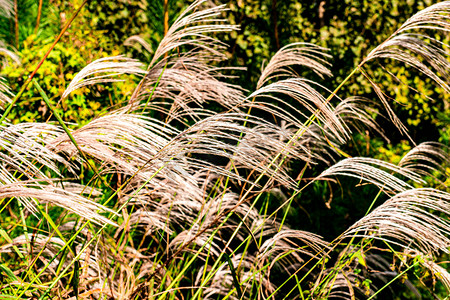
x=188, y=186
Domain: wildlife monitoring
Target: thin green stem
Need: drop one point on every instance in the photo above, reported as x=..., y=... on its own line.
x=66, y=129
x=393, y=279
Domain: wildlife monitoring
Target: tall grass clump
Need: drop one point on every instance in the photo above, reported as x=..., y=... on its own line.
x=191, y=187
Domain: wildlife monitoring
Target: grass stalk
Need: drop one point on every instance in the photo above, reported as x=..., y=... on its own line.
x=166, y=18
x=67, y=130
x=393, y=279
x=38, y=19
x=16, y=25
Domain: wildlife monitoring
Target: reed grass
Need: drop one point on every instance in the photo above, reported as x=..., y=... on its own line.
x=179, y=204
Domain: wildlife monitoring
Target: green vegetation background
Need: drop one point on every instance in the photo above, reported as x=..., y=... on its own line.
x=350, y=29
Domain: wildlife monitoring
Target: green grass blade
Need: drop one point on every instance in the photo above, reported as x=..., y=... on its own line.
x=9, y=240
x=76, y=273
x=66, y=129
x=234, y=275
x=8, y=272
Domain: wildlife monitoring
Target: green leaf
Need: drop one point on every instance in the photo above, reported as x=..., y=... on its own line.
x=76, y=273
x=9, y=240
x=8, y=272
x=233, y=274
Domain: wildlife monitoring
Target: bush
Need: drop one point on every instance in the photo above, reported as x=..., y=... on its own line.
x=188, y=187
